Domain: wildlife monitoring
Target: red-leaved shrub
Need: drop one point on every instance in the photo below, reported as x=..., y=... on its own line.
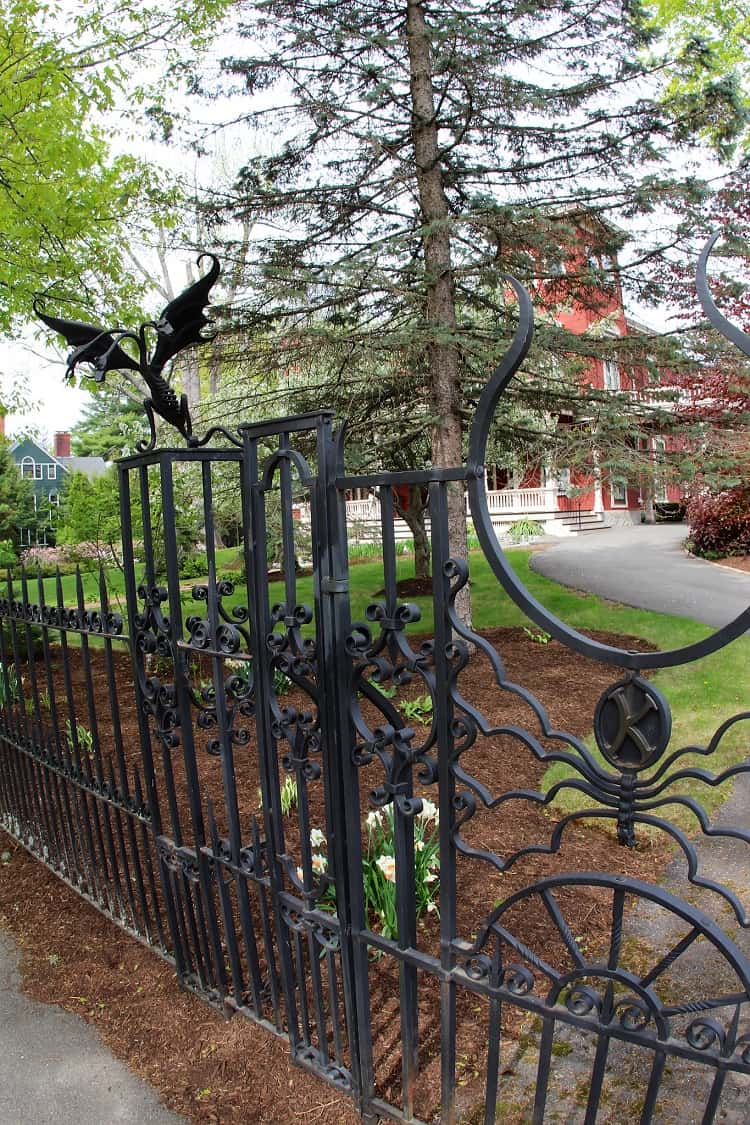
x=720, y=524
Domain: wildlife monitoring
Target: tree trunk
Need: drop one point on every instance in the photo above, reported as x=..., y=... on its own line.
x=442, y=351
x=190, y=380
x=214, y=371
x=413, y=514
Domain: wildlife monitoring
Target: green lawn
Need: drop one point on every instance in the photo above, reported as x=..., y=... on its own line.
x=702, y=694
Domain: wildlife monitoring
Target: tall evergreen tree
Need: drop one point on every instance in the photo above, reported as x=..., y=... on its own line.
x=421, y=150
x=110, y=426
x=17, y=511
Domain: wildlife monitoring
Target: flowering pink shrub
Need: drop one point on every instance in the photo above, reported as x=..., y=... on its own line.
x=94, y=552
x=720, y=524
x=44, y=557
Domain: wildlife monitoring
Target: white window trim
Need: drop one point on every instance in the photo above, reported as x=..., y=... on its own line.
x=611, y=375
x=661, y=495
x=618, y=503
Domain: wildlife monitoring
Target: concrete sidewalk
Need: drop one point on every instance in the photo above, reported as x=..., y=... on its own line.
x=54, y=1068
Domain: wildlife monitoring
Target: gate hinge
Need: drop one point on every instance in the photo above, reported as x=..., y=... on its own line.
x=334, y=586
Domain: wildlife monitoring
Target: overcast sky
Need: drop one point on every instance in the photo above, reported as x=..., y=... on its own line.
x=57, y=406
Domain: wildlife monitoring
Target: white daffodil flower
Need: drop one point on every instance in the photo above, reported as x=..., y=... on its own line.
x=429, y=810
x=387, y=865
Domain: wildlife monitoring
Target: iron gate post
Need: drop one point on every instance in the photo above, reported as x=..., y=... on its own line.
x=254, y=547
x=331, y=571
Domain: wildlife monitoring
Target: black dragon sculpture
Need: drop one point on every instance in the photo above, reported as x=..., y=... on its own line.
x=180, y=324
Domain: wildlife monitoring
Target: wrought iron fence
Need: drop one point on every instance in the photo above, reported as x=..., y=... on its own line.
x=329, y=817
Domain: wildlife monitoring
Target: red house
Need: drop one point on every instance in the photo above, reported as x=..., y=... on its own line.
x=566, y=499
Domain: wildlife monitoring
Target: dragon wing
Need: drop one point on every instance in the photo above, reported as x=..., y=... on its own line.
x=182, y=320
x=91, y=343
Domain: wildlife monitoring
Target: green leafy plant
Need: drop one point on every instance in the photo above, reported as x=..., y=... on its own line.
x=159, y=665
x=282, y=685
x=8, y=556
x=83, y=738
x=193, y=565
x=538, y=636
x=379, y=867
x=419, y=710
x=370, y=549
x=8, y=691
x=387, y=692
x=289, y=795
x=524, y=529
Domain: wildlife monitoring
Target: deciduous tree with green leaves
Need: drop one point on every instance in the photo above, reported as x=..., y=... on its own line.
x=708, y=62
x=69, y=198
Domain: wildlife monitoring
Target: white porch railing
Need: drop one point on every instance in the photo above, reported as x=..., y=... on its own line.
x=368, y=509
x=507, y=501
x=522, y=500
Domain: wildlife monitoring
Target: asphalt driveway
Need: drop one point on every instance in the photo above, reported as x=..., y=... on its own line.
x=645, y=566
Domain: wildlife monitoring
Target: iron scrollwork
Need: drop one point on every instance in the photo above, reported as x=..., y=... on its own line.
x=380, y=659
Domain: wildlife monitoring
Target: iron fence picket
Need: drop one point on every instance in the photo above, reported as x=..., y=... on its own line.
x=443, y=712
x=137, y=655
x=63, y=766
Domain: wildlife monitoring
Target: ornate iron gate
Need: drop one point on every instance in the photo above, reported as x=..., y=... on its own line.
x=287, y=751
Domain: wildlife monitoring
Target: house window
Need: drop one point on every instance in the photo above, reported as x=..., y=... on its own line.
x=28, y=468
x=563, y=482
x=51, y=471
x=611, y=375
x=619, y=492
x=660, y=484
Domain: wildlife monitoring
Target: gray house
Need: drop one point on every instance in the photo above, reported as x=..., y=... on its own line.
x=47, y=473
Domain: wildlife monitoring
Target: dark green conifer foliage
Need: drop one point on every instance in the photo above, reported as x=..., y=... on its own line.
x=420, y=150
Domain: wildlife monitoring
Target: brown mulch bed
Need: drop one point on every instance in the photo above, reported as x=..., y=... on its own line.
x=213, y=1071
x=737, y=562
x=203, y=1067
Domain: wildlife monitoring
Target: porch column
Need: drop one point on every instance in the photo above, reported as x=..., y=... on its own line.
x=598, y=497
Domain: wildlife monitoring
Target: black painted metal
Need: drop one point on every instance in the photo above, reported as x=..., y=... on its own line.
x=246, y=692
x=179, y=326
